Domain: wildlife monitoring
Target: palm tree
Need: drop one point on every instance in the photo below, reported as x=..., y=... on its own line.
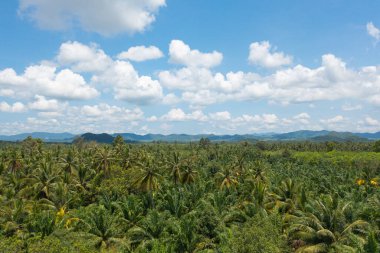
x=131, y=210
x=148, y=230
x=326, y=227
x=188, y=175
x=285, y=196
x=69, y=163
x=175, y=168
x=227, y=178
x=14, y=161
x=173, y=201
x=104, y=228
x=146, y=177
x=44, y=179
x=103, y=159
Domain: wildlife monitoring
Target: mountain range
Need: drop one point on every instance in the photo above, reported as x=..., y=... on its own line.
x=302, y=135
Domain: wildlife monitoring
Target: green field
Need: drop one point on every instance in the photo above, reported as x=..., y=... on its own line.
x=195, y=197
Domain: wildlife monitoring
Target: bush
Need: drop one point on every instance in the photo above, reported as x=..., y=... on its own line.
x=256, y=236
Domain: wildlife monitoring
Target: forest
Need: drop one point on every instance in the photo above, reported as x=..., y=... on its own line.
x=189, y=197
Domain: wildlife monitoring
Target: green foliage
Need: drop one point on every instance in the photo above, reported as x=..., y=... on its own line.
x=257, y=235
x=376, y=146
x=182, y=198
x=371, y=246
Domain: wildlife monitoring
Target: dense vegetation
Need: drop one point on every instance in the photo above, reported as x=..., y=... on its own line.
x=195, y=197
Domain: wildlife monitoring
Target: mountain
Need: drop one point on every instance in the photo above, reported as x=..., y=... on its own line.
x=302, y=135
x=101, y=138
x=299, y=135
x=323, y=135
x=47, y=137
x=339, y=137
x=183, y=137
x=370, y=136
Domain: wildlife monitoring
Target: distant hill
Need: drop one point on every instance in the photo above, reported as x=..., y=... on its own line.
x=101, y=138
x=371, y=136
x=339, y=137
x=47, y=137
x=303, y=135
x=299, y=135
x=183, y=137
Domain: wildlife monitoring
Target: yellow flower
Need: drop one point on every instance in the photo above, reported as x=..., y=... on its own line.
x=61, y=212
x=70, y=221
x=360, y=181
x=374, y=182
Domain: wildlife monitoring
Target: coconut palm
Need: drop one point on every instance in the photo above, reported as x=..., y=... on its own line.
x=175, y=167
x=188, y=175
x=326, y=228
x=44, y=179
x=104, y=228
x=227, y=178
x=145, y=177
x=104, y=157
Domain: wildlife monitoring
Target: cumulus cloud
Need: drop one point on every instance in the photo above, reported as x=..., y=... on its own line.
x=178, y=114
x=170, y=99
x=43, y=104
x=261, y=53
x=83, y=58
x=100, y=16
x=128, y=85
x=302, y=118
x=47, y=81
x=181, y=53
x=333, y=80
x=58, y=79
x=141, y=53
x=333, y=122
x=371, y=121
x=15, y=107
x=373, y=31
x=104, y=111
x=225, y=115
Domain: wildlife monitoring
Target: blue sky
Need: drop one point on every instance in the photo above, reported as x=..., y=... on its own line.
x=190, y=66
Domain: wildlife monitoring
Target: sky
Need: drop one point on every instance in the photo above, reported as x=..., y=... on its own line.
x=189, y=66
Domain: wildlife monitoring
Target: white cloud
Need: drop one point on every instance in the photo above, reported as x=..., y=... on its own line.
x=50, y=114
x=120, y=75
x=100, y=16
x=178, y=114
x=302, y=118
x=269, y=118
x=181, y=53
x=152, y=119
x=83, y=58
x=141, y=53
x=371, y=121
x=351, y=107
x=170, y=99
x=43, y=104
x=222, y=116
x=128, y=85
x=260, y=53
x=374, y=99
x=373, y=31
x=16, y=107
x=47, y=81
x=333, y=80
x=113, y=113
x=6, y=93
x=175, y=115
x=302, y=115
x=334, y=120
